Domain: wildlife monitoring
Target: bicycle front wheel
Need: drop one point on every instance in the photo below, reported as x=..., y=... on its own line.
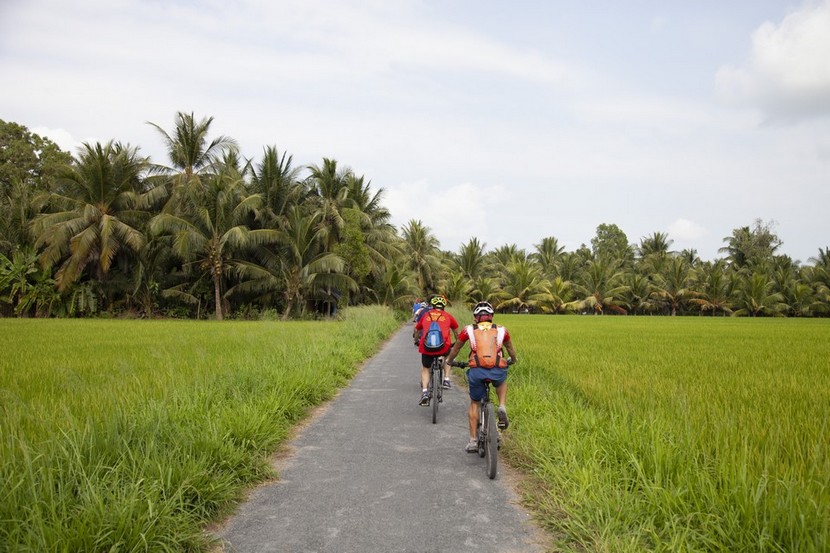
x=491, y=441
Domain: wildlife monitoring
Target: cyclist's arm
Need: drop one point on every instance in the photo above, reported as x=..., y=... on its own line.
x=508, y=344
x=456, y=347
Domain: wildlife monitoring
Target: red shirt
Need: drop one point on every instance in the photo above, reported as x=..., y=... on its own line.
x=445, y=321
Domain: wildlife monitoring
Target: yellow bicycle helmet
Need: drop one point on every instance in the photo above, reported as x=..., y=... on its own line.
x=438, y=301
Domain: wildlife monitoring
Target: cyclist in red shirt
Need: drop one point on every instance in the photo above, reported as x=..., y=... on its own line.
x=483, y=316
x=448, y=325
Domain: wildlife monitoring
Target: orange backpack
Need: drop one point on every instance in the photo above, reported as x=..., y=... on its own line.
x=485, y=344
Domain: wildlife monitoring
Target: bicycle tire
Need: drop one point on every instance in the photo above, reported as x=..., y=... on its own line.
x=441, y=380
x=436, y=392
x=482, y=432
x=491, y=441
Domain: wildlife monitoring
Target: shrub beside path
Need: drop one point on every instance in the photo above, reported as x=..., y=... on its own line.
x=372, y=473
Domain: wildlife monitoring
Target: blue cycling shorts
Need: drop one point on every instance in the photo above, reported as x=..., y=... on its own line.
x=476, y=377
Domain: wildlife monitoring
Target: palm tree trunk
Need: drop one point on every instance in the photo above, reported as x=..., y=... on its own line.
x=218, y=296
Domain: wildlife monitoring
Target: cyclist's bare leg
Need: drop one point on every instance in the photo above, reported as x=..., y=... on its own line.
x=425, y=377
x=472, y=413
x=501, y=393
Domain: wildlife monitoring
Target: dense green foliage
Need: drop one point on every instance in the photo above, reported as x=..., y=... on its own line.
x=684, y=434
x=115, y=444
x=210, y=232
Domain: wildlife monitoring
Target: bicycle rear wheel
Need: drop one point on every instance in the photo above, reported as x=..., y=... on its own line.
x=436, y=393
x=491, y=441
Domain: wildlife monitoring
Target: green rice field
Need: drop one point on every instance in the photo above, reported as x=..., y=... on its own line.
x=133, y=435
x=634, y=433
x=674, y=434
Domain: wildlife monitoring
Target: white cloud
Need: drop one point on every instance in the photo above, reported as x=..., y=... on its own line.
x=685, y=230
x=64, y=139
x=454, y=213
x=789, y=72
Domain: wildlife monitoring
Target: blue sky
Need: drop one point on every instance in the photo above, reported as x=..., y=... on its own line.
x=508, y=121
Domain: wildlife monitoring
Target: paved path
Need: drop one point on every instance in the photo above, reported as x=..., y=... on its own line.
x=373, y=474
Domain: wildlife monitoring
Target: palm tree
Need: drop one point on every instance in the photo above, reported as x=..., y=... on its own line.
x=190, y=155
x=277, y=182
x=570, y=266
x=99, y=214
x=653, y=253
x=755, y=297
x=524, y=287
x=785, y=277
x=600, y=288
x=471, y=258
x=504, y=255
x=456, y=287
x=380, y=236
x=329, y=193
x=299, y=269
x=715, y=287
x=801, y=299
x=484, y=288
x=395, y=286
x=819, y=279
x=421, y=250
x=822, y=259
x=672, y=287
x=637, y=297
x=547, y=255
x=211, y=232
x=658, y=243
x=555, y=295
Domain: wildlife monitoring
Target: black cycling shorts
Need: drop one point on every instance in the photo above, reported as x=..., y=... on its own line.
x=426, y=358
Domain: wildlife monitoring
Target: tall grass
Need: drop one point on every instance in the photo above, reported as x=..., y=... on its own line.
x=686, y=434
x=132, y=435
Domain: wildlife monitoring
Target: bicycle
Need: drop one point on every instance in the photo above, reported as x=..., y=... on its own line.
x=488, y=437
x=436, y=385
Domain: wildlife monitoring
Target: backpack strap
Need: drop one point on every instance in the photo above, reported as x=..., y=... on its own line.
x=499, y=336
x=472, y=336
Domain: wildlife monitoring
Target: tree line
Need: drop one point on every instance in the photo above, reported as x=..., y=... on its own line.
x=108, y=232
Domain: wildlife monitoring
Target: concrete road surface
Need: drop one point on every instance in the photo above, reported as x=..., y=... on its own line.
x=372, y=473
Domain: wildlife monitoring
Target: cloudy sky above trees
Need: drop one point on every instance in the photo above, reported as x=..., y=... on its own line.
x=509, y=121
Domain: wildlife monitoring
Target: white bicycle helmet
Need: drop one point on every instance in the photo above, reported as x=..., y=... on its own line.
x=483, y=308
